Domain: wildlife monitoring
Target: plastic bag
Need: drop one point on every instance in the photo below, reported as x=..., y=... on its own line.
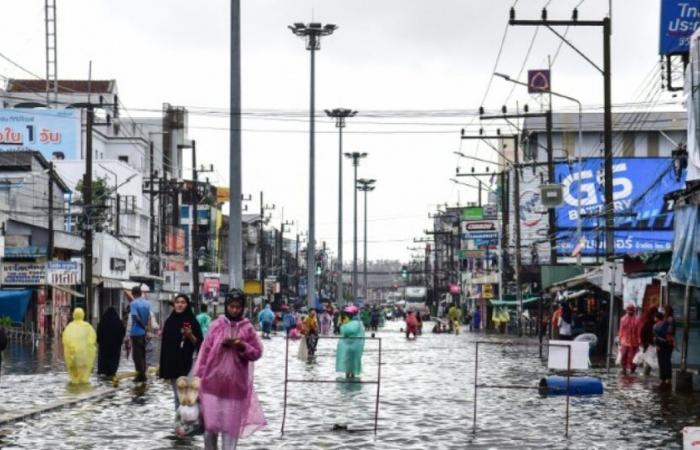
x=650, y=357
x=618, y=358
x=638, y=358
x=303, y=353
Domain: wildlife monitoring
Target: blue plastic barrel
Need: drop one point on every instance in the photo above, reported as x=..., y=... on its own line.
x=556, y=385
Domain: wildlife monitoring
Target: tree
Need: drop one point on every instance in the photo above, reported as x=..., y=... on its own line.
x=99, y=211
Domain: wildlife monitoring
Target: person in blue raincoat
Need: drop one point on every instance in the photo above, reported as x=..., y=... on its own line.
x=289, y=321
x=348, y=359
x=265, y=317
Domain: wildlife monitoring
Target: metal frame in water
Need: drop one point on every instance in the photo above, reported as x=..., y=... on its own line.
x=513, y=386
x=377, y=381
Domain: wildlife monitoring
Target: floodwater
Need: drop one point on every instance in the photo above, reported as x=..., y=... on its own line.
x=426, y=402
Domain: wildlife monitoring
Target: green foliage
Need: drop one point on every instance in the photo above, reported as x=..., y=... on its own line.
x=5, y=322
x=99, y=212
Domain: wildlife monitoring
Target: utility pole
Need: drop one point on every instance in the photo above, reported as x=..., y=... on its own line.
x=151, y=201
x=296, y=267
x=50, y=244
x=312, y=33
x=88, y=209
x=605, y=71
x=365, y=186
x=516, y=218
x=340, y=114
x=263, y=208
x=235, y=238
x=195, y=224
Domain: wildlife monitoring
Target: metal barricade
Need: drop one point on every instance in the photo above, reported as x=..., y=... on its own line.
x=505, y=386
x=377, y=381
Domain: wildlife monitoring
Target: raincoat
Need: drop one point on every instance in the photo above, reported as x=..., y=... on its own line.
x=227, y=398
x=266, y=315
x=411, y=323
x=326, y=322
x=204, y=321
x=79, y=348
x=348, y=357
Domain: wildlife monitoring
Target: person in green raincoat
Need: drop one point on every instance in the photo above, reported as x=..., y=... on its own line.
x=79, y=348
x=365, y=315
x=348, y=358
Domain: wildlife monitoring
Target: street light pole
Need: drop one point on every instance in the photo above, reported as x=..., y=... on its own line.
x=340, y=115
x=355, y=156
x=312, y=33
x=578, y=154
x=365, y=186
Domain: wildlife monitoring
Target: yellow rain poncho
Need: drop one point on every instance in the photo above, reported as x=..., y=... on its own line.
x=79, y=348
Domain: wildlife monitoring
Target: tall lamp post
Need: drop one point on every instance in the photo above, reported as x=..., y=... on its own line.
x=312, y=33
x=340, y=114
x=355, y=156
x=579, y=149
x=365, y=185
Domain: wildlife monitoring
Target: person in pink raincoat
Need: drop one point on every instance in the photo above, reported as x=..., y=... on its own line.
x=629, y=339
x=227, y=398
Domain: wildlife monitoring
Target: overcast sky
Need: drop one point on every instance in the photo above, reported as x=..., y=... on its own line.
x=386, y=58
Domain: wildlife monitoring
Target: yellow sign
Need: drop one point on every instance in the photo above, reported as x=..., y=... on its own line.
x=252, y=287
x=222, y=194
x=487, y=291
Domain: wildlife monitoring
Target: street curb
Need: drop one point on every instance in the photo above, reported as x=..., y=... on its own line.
x=6, y=419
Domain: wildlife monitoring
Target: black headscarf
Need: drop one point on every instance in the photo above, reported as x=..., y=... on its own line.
x=110, y=335
x=238, y=296
x=566, y=312
x=176, y=350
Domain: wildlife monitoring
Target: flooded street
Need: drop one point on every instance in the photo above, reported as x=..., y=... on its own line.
x=426, y=401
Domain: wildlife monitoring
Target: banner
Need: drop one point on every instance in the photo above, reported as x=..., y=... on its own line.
x=63, y=273
x=45, y=130
x=643, y=219
x=23, y=273
x=679, y=19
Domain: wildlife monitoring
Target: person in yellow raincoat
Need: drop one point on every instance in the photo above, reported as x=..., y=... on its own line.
x=454, y=315
x=79, y=348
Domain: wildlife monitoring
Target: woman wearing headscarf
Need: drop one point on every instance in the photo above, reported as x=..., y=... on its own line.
x=565, y=322
x=110, y=335
x=227, y=396
x=348, y=359
x=79, y=348
x=664, y=339
x=181, y=337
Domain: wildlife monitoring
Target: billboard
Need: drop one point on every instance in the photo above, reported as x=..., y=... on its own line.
x=679, y=19
x=44, y=130
x=643, y=221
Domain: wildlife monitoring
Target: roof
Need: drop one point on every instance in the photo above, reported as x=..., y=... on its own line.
x=64, y=86
x=622, y=121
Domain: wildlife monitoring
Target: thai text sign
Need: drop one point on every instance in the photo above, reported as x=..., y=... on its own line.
x=679, y=19
x=63, y=273
x=44, y=130
x=643, y=219
x=23, y=273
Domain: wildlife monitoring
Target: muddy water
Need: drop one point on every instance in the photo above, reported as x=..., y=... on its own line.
x=426, y=401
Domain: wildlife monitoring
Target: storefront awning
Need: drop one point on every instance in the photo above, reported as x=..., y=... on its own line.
x=67, y=290
x=514, y=303
x=594, y=277
x=108, y=283
x=14, y=303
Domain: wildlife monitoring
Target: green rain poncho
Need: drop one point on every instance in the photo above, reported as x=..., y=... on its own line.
x=348, y=358
x=79, y=348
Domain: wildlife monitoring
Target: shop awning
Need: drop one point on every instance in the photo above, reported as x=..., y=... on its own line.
x=570, y=295
x=514, y=303
x=14, y=303
x=594, y=277
x=67, y=290
x=108, y=283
